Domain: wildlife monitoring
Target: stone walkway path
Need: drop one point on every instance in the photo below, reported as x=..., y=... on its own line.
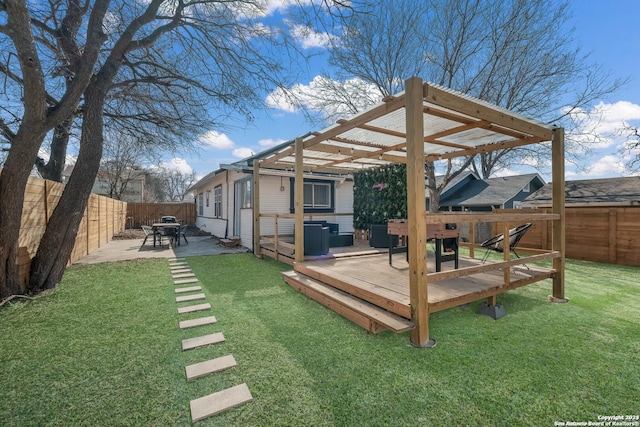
x=220, y=401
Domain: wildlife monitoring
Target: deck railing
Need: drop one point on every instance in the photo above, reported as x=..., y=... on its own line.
x=280, y=245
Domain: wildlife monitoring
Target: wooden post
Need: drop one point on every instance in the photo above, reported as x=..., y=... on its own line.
x=613, y=231
x=416, y=210
x=276, y=238
x=558, y=237
x=257, y=251
x=472, y=239
x=299, y=202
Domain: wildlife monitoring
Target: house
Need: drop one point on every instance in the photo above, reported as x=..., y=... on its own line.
x=224, y=199
x=483, y=195
x=591, y=192
x=454, y=185
x=132, y=180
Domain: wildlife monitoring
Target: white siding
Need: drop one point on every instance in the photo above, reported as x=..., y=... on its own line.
x=246, y=230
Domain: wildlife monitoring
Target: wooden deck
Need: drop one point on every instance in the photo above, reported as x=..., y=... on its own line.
x=371, y=279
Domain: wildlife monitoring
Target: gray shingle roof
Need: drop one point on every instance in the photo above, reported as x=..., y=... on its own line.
x=489, y=192
x=608, y=191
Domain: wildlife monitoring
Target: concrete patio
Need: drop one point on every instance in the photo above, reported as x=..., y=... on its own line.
x=128, y=249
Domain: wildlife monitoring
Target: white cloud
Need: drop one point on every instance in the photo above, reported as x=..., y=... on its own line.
x=178, y=165
x=606, y=166
x=600, y=127
x=216, y=140
x=309, y=38
x=331, y=98
x=242, y=152
x=270, y=142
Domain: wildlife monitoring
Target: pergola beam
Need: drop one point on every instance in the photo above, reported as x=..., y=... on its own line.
x=468, y=106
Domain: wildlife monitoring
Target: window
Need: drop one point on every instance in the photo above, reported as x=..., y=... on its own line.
x=208, y=191
x=217, y=201
x=318, y=196
x=243, y=194
x=201, y=204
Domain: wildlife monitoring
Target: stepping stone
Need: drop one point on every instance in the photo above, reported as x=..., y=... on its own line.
x=185, y=281
x=176, y=259
x=221, y=401
x=188, y=289
x=193, y=297
x=179, y=267
x=183, y=275
x=182, y=270
x=192, y=308
x=191, y=343
x=200, y=321
x=202, y=369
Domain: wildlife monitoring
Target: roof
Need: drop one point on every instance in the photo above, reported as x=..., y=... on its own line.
x=454, y=125
x=608, y=191
x=490, y=191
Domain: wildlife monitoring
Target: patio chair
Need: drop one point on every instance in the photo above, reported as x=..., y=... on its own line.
x=182, y=232
x=497, y=243
x=148, y=231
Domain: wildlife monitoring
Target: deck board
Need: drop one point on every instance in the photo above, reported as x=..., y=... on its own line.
x=371, y=278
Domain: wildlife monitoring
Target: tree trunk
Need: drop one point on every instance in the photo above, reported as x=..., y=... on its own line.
x=13, y=181
x=59, y=238
x=434, y=194
x=53, y=169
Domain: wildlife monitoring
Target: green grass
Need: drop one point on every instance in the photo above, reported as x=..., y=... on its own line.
x=104, y=349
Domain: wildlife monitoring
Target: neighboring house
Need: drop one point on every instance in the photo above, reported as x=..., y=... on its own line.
x=591, y=192
x=134, y=191
x=456, y=184
x=224, y=200
x=478, y=195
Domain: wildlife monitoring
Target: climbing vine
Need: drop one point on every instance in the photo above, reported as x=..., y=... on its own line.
x=378, y=195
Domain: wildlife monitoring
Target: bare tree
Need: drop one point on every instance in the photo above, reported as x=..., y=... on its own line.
x=121, y=163
x=177, y=184
x=517, y=55
x=631, y=149
x=213, y=47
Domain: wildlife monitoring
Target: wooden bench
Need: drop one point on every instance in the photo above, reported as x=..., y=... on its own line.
x=374, y=319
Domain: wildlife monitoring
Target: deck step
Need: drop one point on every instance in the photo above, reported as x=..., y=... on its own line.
x=202, y=369
x=221, y=401
x=365, y=314
x=194, y=297
x=200, y=321
x=205, y=340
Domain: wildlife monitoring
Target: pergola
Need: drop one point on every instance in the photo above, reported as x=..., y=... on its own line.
x=424, y=123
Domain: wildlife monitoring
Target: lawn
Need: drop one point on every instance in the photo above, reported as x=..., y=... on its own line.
x=104, y=349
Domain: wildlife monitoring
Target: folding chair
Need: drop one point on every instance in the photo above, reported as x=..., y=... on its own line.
x=497, y=243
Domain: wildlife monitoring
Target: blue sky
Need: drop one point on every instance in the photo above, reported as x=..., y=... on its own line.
x=607, y=29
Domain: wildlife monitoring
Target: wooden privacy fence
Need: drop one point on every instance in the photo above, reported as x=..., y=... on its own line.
x=139, y=214
x=603, y=234
x=102, y=218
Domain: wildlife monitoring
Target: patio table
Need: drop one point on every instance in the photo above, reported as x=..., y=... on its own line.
x=160, y=226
